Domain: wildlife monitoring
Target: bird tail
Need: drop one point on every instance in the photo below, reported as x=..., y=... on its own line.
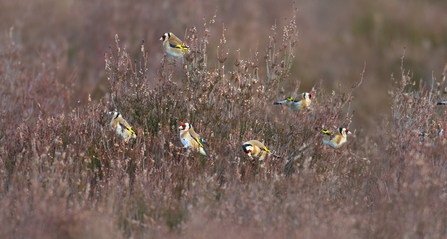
x=442, y=103
x=280, y=102
x=203, y=151
x=204, y=142
x=275, y=155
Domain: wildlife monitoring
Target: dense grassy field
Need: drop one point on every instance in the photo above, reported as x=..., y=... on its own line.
x=64, y=173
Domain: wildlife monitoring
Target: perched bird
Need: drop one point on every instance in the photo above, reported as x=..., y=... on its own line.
x=173, y=46
x=191, y=139
x=336, y=139
x=442, y=136
x=442, y=103
x=423, y=136
x=297, y=104
x=257, y=149
x=120, y=125
x=435, y=135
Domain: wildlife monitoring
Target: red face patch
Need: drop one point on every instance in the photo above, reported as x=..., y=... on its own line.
x=183, y=126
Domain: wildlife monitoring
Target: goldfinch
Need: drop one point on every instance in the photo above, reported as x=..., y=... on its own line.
x=439, y=134
x=254, y=148
x=297, y=104
x=423, y=134
x=337, y=139
x=442, y=136
x=120, y=125
x=173, y=46
x=191, y=139
x=442, y=103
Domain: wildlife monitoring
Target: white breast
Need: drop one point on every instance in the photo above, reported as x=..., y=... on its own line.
x=118, y=129
x=185, y=141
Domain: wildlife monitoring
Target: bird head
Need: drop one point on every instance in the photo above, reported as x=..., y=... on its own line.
x=307, y=96
x=248, y=148
x=114, y=113
x=184, y=126
x=165, y=36
x=344, y=131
